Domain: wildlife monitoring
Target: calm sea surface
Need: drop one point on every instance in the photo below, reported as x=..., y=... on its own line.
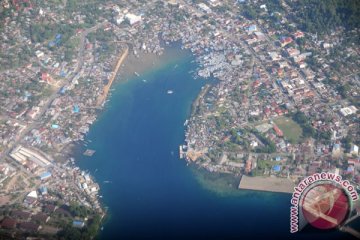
x=151, y=194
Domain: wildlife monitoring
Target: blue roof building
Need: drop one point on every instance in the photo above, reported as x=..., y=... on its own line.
x=252, y=28
x=43, y=190
x=78, y=224
x=45, y=175
x=62, y=73
x=76, y=109
x=277, y=168
x=63, y=90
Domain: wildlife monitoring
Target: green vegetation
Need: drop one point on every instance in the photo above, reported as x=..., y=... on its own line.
x=262, y=166
x=308, y=130
x=79, y=210
x=302, y=120
x=87, y=232
x=343, y=89
x=346, y=143
x=292, y=131
x=269, y=146
x=325, y=15
x=40, y=32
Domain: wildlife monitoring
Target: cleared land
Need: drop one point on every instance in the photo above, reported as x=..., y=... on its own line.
x=292, y=131
x=270, y=184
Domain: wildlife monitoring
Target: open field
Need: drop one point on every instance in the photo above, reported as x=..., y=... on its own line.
x=292, y=131
x=270, y=184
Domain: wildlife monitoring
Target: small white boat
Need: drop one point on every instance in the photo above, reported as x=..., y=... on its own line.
x=170, y=92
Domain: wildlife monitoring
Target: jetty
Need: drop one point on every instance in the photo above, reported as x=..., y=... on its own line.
x=268, y=184
x=101, y=98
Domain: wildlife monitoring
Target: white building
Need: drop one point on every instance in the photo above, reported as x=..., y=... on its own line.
x=119, y=19
x=132, y=18
x=348, y=110
x=354, y=150
x=204, y=7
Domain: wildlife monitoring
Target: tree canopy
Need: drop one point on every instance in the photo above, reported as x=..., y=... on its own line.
x=323, y=15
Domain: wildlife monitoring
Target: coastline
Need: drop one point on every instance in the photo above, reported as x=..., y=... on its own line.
x=125, y=193
x=138, y=65
x=102, y=97
x=128, y=67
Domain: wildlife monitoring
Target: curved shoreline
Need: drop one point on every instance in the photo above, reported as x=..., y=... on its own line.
x=102, y=97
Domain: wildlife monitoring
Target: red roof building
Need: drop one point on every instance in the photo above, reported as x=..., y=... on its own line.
x=298, y=34
x=285, y=41
x=248, y=166
x=8, y=223
x=278, y=131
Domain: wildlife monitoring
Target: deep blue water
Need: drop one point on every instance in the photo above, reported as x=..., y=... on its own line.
x=153, y=194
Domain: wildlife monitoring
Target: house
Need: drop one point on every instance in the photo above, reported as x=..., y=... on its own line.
x=252, y=28
x=276, y=168
x=354, y=150
x=204, y=7
x=43, y=190
x=20, y=214
x=348, y=110
x=132, y=18
x=49, y=208
x=31, y=199
x=29, y=226
x=33, y=112
x=336, y=151
x=298, y=34
x=4, y=169
x=355, y=163
x=8, y=223
x=278, y=131
x=41, y=217
x=78, y=224
x=45, y=176
x=274, y=56
x=291, y=52
x=285, y=41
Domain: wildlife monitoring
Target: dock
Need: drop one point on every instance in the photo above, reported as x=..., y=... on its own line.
x=268, y=184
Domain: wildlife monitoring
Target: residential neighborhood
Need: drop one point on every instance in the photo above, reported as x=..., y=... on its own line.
x=283, y=102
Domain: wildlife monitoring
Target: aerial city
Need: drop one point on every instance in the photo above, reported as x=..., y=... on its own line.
x=179, y=119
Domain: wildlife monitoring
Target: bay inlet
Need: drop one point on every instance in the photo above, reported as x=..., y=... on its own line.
x=150, y=193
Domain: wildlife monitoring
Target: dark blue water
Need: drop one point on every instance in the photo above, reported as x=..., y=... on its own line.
x=153, y=194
